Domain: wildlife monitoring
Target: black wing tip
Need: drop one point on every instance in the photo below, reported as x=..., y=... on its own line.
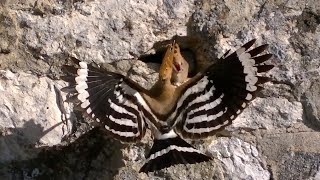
x=254, y=52
x=265, y=68
x=262, y=58
x=249, y=44
x=268, y=55
x=75, y=60
x=263, y=47
x=263, y=79
x=184, y=154
x=225, y=54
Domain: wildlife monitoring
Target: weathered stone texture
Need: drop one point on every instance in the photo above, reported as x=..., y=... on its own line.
x=41, y=136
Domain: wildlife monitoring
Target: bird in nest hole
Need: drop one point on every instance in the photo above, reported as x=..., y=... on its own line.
x=176, y=107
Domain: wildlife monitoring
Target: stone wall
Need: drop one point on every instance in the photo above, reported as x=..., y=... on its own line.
x=276, y=137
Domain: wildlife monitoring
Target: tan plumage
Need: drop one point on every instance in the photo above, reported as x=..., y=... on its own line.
x=163, y=96
x=180, y=67
x=175, y=106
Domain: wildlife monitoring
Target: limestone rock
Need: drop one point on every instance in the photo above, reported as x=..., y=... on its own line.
x=41, y=134
x=241, y=160
x=31, y=113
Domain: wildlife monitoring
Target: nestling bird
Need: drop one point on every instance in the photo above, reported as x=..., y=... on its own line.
x=176, y=106
x=180, y=68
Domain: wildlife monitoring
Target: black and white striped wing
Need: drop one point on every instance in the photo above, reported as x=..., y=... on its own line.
x=211, y=102
x=110, y=99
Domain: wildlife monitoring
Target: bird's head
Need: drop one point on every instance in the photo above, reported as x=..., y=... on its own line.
x=167, y=61
x=177, y=62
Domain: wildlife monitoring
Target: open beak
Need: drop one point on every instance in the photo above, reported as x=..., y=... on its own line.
x=177, y=66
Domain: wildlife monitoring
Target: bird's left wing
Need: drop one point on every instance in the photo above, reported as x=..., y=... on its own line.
x=212, y=100
x=109, y=98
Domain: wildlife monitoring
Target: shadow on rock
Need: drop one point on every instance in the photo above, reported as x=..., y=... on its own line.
x=91, y=156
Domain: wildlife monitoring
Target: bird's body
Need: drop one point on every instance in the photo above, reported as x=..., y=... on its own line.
x=173, y=74
x=175, y=106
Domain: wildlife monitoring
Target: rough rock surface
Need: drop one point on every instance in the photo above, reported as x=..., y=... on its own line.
x=277, y=137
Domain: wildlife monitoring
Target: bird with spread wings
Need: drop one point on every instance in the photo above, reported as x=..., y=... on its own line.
x=176, y=107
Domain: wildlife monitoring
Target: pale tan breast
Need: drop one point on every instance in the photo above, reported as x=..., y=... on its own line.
x=163, y=100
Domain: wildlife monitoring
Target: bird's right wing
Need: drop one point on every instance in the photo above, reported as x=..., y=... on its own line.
x=111, y=99
x=212, y=100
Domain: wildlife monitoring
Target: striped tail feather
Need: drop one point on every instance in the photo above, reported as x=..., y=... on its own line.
x=170, y=151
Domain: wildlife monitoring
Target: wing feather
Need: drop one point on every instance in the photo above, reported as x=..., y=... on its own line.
x=212, y=100
x=109, y=98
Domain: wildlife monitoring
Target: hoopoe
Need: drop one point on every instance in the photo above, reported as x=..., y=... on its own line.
x=175, y=107
x=180, y=68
